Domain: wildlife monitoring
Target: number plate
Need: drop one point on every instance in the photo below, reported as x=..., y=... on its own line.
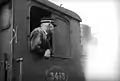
x=56, y=74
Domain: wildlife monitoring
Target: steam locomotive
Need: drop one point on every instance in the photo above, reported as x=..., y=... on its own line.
x=17, y=63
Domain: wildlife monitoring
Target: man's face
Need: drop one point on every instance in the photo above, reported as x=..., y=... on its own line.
x=48, y=27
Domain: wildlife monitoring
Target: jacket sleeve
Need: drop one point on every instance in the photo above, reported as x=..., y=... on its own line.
x=34, y=32
x=35, y=38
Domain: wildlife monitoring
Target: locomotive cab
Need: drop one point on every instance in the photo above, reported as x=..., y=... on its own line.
x=65, y=63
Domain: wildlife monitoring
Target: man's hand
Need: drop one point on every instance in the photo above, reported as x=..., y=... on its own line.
x=47, y=53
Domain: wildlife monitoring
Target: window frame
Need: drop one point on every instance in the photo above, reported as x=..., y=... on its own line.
x=57, y=15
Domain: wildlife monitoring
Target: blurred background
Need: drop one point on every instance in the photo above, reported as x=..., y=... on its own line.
x=101, y=41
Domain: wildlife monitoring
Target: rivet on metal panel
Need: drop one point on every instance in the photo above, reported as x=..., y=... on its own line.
x=27, y=17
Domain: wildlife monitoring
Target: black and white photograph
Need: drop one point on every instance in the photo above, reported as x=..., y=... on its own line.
x=59, y=40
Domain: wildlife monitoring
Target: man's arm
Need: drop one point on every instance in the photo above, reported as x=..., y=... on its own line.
x=48, y=52
x=34, y=32
x=35, y=38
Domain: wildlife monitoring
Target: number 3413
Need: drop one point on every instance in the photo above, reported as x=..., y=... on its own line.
x=58, y=76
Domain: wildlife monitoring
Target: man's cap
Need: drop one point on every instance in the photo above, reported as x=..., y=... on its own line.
x=48, y=20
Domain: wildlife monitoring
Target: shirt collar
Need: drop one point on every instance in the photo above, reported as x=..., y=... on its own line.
x=44, y=31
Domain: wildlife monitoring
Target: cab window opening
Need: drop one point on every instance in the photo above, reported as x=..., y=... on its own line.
x=36, y=14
